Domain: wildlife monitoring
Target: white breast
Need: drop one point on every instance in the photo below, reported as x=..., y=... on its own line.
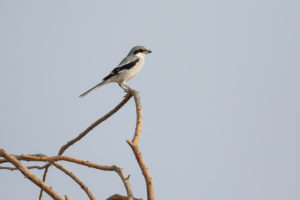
x=129, y=74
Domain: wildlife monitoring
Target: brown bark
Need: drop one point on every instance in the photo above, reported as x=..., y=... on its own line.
x=85, y=132
x=77, y=180
x=25, y=171
x=53, y=160
x=135, y=148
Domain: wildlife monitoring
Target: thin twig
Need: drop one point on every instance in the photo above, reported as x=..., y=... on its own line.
x=76, y=179
x=125, y=182
x=5, y=161
x=24, y=170
x=65, y=158
x=96, y=123
x=67, y=172
x=28, y=167
x=44, y=180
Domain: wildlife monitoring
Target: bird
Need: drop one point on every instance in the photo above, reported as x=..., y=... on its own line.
x=126, y=70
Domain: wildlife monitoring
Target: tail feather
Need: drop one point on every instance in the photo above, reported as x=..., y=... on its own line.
x=93, y=88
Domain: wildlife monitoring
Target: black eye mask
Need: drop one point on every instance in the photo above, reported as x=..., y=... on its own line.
x=138, y=51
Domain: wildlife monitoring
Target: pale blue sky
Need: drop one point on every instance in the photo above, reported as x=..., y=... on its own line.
x=220, y=95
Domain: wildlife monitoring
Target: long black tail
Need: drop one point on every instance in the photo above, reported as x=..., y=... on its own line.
x=93, y=88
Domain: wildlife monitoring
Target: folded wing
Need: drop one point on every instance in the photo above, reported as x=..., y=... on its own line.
x=123, y=66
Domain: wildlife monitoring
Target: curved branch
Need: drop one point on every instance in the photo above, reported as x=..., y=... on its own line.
x=125, y=182
x=65, y=158
x=96, y=123
x=135, y=148
x=139, y=119
x=148, y=179
x=24, y=170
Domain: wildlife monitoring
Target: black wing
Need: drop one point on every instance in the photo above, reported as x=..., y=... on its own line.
x=117, y=70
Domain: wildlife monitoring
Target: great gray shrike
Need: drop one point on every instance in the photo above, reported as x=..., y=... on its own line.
x=126, y=70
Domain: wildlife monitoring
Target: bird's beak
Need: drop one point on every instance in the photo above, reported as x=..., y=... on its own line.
x=148, y=51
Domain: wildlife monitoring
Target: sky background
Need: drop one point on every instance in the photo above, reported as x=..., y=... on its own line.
x=220, y=95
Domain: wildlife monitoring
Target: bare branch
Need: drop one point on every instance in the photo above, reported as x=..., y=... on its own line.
x=60, y=167
x=86, y=131
x=29, y=167
x=44, y=180
x=138, y=128
x=96, y=123
x=135, y=148
x=76, y=179
x=65, y=158
x=125, y=182
x=53, y=159
x=67, y=172
x=132, y=143
x=24, y=170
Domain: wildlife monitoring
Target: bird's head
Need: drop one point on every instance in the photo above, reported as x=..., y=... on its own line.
x=139, y=51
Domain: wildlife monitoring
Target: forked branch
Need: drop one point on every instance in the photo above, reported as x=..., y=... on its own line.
x=25, y=171
x=84, y=133
x=53, y=160
x=76, y=179
x=135, y=148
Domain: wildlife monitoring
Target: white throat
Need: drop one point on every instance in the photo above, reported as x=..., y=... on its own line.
x=141, y=55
